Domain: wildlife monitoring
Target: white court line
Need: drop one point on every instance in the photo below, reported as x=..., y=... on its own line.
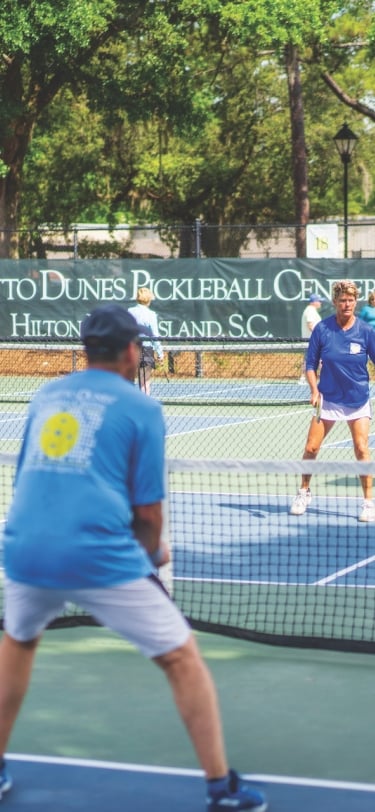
x=15, y=419
x=312, y=782
x=339, y=443
x=209, y=428
x=144, y=768
x=248, y=582
x=322, y=582
x=258, y=494
x=103, y=765
x=239, y=422
x=238, y=581
x=345, y=571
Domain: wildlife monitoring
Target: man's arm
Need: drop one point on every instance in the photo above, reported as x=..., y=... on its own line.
x=147, y=526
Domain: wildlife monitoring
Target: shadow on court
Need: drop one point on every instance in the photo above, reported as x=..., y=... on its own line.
x=64, y=785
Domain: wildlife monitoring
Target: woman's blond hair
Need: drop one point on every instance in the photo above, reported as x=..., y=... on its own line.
x=344, y=286
x=371, y=298
x=145, y=296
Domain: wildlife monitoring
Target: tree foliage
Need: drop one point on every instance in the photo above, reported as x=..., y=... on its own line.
x=169, y=110
x=44, y=46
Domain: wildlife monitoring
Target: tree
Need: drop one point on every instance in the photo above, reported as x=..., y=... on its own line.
x=352, y=41
x=44, y=44
x=185, y=114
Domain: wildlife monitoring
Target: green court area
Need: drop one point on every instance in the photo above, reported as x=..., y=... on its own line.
x=241, y=565
x=254, y=432
x=237, y=432
x=260, y=432
x=18, y=389
x=287, y=614
x=285, y=711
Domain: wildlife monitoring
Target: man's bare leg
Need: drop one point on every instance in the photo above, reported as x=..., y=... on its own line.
x=195, y=696
x=16, y=661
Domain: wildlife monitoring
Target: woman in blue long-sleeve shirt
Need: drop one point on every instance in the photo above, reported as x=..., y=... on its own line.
x=341, y=346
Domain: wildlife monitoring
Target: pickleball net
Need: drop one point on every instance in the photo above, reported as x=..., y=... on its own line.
x=243, y=566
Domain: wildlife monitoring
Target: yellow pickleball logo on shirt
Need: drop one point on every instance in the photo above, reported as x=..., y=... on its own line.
x=59, y=434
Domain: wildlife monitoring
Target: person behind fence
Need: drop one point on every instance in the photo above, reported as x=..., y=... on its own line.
x=309, y=319
x=85, y=525
x=342, y=344
x=368, y=311
x=147, y=318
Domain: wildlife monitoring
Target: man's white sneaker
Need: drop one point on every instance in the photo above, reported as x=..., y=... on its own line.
x=301, y=502
x=367, y=513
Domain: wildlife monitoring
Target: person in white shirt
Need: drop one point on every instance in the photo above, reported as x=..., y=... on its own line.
x=147, y=318
x=310, y=318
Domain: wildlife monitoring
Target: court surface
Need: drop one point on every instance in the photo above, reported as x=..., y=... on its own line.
x=223, y=431
x=68, y=784
x=65, y=784
x=254, y=539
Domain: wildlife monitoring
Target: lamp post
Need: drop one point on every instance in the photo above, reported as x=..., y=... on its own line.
x=345, y=141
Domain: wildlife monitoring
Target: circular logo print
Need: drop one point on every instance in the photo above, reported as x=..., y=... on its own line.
x=59, y=434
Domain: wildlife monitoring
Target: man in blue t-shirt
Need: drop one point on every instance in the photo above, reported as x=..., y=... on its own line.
x=340, y=347
x=85, y=526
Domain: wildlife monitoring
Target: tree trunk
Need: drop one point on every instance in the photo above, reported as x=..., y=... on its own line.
x=17, y=133
x=299, y=155
x=9, y=199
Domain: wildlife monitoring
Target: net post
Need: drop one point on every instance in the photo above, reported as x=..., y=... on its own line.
x=199, y=364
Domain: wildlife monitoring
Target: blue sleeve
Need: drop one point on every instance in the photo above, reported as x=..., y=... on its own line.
x=146, y=475
x=314, y=349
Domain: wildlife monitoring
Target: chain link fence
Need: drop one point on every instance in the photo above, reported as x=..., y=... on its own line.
x=199, y=239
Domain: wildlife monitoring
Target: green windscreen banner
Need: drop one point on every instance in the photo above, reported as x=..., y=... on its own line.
x=204, y=298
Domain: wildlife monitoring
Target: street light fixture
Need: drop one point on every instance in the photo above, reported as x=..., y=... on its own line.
x=345, y=141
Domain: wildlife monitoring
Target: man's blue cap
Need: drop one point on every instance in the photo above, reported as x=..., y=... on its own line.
x=315, y=298
x=110, y=327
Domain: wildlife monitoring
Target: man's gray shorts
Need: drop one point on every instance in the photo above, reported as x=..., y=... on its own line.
x=140, y=611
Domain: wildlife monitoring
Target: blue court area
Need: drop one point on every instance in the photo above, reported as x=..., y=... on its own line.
x=254, y=540
x=199, y=389
x=204, y=390
x=12, y=425
x=228, y=389
x=62, y=785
